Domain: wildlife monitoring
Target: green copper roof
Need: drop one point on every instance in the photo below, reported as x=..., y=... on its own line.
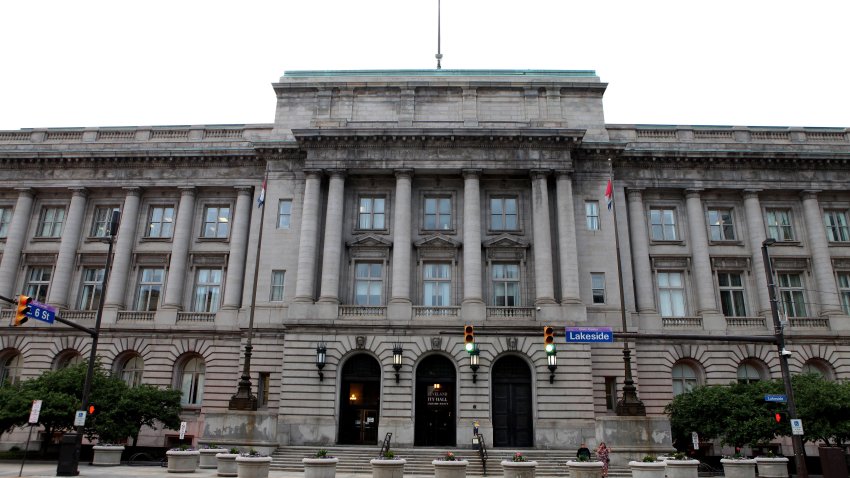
x=440, y=73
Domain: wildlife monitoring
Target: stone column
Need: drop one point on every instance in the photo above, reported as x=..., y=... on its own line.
x=123, y=250
x=639, y=238
x=570, y=293
x=821, y=260
x=755, y=228
x=15, y=242
x=472, y=237
x=543, y=276
x=66, y=260
x=235, y=279
x=309, y=238
x=703, y=281
x=401, y=237
x=180, y=250
x=332, y=254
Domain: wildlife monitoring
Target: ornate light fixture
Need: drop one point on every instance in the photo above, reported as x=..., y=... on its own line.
x=552, y=357
x=321, y=359
x=473, y=362
x=397, y=359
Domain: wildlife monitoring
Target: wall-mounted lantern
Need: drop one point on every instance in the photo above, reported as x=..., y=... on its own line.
x=321, y=359
x=397, y=359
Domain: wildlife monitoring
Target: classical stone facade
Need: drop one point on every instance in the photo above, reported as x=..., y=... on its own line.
x=400, y=206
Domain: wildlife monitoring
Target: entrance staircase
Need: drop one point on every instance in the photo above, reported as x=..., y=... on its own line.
x=355, y=460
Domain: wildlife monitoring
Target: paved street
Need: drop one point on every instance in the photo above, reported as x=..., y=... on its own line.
x=48, y=469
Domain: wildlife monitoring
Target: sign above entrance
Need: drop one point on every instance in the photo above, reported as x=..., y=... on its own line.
x=589, y=334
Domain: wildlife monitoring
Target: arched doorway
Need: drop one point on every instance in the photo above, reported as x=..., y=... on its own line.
x=360, y=401
x=435, y=402
x=512, y=414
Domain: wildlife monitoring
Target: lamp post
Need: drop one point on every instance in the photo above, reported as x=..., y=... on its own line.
x=778, y=331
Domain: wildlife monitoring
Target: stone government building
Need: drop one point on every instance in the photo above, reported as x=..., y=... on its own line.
x=400, y=206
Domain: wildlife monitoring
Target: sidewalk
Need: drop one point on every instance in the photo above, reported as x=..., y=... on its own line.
x=41, y=469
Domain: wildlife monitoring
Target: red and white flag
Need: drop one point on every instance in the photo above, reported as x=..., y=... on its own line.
x=609, y=194
x=261, y=199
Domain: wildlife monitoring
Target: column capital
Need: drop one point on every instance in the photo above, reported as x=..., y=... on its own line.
x=810, y=194
x=79, y=191
x=471, y=173
x=336, y=173
x=635, y=193
x=752, y=193
x=244, y=190
x=187, y=190
x=693, y=192
x=25, y=192
x=540, y=173
x=313, y=173
x=132, y=190
x=564, y=173
x=403, y=173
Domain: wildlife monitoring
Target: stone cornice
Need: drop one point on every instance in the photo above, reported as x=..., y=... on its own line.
x=438, y=138
x=719, y=159
x=125, y=159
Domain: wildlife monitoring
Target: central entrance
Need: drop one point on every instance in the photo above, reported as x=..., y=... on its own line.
x=435, y=402
x=360, y=400
x=512, y=415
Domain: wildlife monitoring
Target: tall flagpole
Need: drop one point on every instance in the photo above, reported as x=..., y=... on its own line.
x=244, y=399
x=438, y=56
x=629, y=405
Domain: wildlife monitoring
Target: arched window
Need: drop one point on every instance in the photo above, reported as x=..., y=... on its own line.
x=192, y=381
x=11, y=365
x=748, y=373
x=684, y=378
x=67, y=358
x=131, y=370
x=819, y=367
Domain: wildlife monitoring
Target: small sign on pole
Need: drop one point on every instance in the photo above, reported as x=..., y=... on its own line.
x=35, y=411
x=775, y=398
x=695, y=440
x=182, y=430
x=80, y=418
x=796, y=426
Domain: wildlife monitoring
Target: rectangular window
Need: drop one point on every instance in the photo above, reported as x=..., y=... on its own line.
x=437, y=284
x=372, y=212
x=720, y=225
x=5, y=220
x=438, y=213
x=597, y=284
x=792, y=294
x=207, y=296
x=663, y=224
x=160, y=222
x=610, y=393
x=844, y=290
x=38, y=281
x=591, y=213
x=368, y=283
x=504, y=214
x=263, y=389
x=216, y=222
x=836, y=226
x=92, y=287
x=731, y=286
x=671, y=294
x=506, y=285
x=284, y=214
x=277, y=286
x=151, y=282
x=101, y=221
x=50, y=222
x=779, y=225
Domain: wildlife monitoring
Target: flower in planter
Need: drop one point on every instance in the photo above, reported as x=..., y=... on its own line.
x=678, y=456
x=183, y=447
x=253, y=454
x=234, y=451
x=322, y=454
x=518, y=457
x=449, y=456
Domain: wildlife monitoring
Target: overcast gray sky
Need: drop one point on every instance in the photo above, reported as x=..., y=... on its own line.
x=123, y=62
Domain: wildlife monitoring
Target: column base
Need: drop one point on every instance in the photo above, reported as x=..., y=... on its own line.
x=473, y=310
x=400, y=309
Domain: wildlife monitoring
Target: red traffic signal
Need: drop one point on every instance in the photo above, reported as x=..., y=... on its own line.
x=778, y=417
x=469, y=338
x=91, y=409
x=22, y=310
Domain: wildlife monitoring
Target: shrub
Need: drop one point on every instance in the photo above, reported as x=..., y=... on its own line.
x=649, y=459
x=389, y=455
x=322, y=453
x=518, y=457
x=449, y=456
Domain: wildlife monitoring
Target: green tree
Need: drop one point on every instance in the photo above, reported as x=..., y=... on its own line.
x=824, y=408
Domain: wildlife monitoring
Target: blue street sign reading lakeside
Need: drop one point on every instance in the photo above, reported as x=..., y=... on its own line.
x=589, y=334
x=42, y=312
x=775, y=398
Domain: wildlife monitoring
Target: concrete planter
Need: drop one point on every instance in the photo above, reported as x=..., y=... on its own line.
x=253, y=466
x=208, y=459
x=449, y=469
x=519, y=469
x=648, y=469
x=226, y=463
x=585, y=469
x=775, y=467
x=107, y=455
x=388, y=468
x=745, y=468
x=182, y=461
x=682, y=468
x=320, y=467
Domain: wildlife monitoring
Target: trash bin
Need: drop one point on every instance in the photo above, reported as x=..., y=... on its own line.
x=68, y=458
x=833, y=462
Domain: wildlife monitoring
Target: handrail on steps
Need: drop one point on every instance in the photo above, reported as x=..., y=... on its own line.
x=482, y=452
x=385, y=446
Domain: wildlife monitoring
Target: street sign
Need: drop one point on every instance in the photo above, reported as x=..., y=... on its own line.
x=775, y=398
x=42, y=312
x=695, y=440
x=35, y=411
x=589, y=334
x=796, y=426
x=182, y=430
x=80, y=418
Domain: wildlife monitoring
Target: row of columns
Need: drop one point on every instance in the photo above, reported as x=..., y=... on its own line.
x=704, y=284
x=72, y=232
x=402, y=244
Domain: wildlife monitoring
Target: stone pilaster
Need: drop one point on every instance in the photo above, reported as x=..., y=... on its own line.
x=640, y=252
x=473, y=299
x=123, y=251
x=332, y=253
x=703, y=282
x=309, y=238
x=15, y=242
x=180, y=250
x=65, y=261
x=755, y=227
x=238, y=248
x=821, y=260
x=570, y=293
x=543, y=275
x=402, y=237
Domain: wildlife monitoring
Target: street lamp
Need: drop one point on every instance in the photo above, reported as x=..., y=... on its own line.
x=778, y=331
x=473, y=362
x=321, y=359
x=397, y=356
x=552, y=358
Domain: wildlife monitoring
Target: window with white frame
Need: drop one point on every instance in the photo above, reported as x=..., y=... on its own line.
x=192, y=373
x=91, y=288
x=671, y=293
x=836, y=226
x=748, y=373
x=662, y=223
x=591, y=214
x=371, y=212
x=438, y=213
x=684, y=378
x=597, y=285
x=11, y=365
x=437, y=284
x=207, y=294
x=844, y=291
x=504, y=213
x=5, y=221
x=101, y=221
x=284, y=214
x=131, y=370
x=278, y=278
x=216, y=222
x=50, y=222
x=792, y=294
x=720, y=224
x=160, y=222
x=731, y=287
x=779, y=225
x=506, y=286
x=368, y=283
x=38, y=282
x=149, y=290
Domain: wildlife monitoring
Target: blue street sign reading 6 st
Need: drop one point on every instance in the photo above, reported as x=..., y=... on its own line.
x=42, y=312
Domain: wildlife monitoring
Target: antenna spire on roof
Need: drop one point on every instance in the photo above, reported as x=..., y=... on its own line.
x=438, y=56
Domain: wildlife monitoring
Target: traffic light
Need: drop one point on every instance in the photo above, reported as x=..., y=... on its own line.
x=22, y=310
x=549, y=339
x=778, y=417
x=469, y=338
x=91, y=409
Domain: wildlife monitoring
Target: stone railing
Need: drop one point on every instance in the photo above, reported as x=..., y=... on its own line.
x=681, y=322
x=195, y=316
x=808, y=323
x=510, y=313
x=135, y=316
x=424, y=311
x=7, y=314
x=745, y=322
x=136, y=134
x=728, y=134
x=362, y=312
x=77, y=315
